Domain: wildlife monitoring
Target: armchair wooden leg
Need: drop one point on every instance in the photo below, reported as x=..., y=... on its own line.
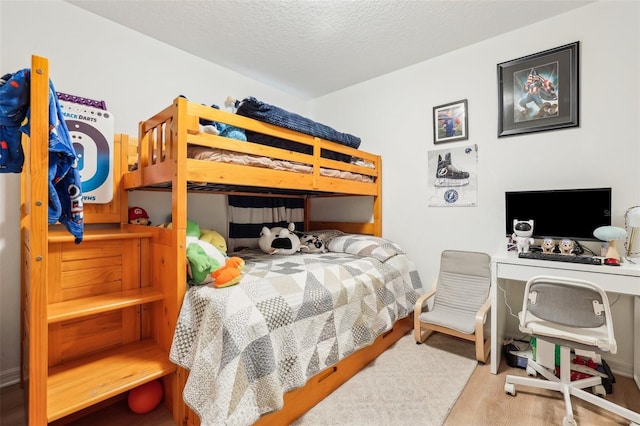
x=483, y=347
x=421, y=335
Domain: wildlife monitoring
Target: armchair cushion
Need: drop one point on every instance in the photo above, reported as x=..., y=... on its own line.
x=463, y=287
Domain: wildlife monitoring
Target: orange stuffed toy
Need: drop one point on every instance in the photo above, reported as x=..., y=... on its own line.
x=229, y=274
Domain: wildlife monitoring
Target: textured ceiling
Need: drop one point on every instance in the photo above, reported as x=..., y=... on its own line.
x=311, y=48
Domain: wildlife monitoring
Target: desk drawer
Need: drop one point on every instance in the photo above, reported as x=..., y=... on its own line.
x=603, y=275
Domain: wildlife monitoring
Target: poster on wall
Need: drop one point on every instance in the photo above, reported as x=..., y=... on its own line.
x=453, y=176
x=91, y=130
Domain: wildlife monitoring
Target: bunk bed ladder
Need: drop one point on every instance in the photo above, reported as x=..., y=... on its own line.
x=91, y=324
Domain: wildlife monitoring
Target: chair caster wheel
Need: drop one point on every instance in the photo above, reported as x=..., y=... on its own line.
x=510, y=389
x=566, y=421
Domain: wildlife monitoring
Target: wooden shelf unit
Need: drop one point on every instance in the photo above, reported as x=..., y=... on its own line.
x=87, y=381
x=92, y=316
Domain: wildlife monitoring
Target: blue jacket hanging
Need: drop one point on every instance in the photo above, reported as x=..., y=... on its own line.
x=65, y=189
x=14, y=104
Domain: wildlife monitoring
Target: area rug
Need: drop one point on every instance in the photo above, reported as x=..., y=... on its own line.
x=407, y=384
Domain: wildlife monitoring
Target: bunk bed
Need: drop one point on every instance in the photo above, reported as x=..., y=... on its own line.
x=99, y=318
x=174, y=154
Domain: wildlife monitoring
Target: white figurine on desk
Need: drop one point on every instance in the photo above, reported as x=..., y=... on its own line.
x=522, y=232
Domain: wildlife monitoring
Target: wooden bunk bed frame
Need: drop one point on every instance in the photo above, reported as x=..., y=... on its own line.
x=162, y=161
x=61, y=382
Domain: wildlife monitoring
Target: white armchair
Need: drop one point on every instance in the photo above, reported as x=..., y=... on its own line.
x=461, y=302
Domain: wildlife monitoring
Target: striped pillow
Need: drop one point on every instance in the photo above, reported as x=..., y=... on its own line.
x=366, y=246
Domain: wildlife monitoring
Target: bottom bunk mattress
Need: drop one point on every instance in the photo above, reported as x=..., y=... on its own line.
x=289, y=318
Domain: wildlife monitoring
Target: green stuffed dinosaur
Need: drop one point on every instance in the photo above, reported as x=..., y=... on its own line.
x=208, y=262
x=201, y=264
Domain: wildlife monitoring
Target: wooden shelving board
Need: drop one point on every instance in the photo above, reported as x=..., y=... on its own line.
x=79, y=384
x=76, y=308
x=104, y=234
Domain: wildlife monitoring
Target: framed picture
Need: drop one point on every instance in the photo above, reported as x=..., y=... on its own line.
x=539, y=92
x=450, y=122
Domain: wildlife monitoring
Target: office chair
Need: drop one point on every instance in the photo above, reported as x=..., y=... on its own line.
x=573, y=314
x=460, y=301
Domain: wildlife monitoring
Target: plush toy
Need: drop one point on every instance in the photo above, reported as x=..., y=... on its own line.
x=229, y=274
x=279, y=240
x=522, y=232
x=208, y=264
x=193, y=237
x=138, y=216
x=566, y=246
x=201, y=265
x=222, y=129
x=548, y=245
x=215, y=239
x=312, y=244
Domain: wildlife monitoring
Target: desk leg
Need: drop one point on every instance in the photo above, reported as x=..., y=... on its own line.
x=636, y=341
x=497, y=323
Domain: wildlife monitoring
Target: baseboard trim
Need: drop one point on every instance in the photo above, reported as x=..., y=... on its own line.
x=621, y=368
x=9, y=377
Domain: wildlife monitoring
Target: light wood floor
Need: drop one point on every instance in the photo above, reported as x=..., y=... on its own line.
x=482, y=403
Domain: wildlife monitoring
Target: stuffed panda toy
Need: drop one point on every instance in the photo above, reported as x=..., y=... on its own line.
x=278, y=240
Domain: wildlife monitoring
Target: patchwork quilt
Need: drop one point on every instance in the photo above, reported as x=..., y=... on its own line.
x=289, y=318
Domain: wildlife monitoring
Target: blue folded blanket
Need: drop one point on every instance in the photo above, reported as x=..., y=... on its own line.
x=253, y=108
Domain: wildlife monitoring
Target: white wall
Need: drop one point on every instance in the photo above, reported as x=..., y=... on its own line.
x=138, y=76
x=392, y=114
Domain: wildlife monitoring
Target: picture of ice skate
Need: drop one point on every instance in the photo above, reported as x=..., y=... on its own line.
x=451, y=185
x=448, y=175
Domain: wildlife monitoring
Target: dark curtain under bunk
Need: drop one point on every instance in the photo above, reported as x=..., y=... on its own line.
x=247, y=216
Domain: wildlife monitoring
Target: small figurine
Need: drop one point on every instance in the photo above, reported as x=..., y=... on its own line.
x=566, y=246
x=138, y=216
x=548, y=244
x=522, y=232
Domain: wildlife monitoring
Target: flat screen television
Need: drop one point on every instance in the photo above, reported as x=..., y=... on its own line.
x=562, y=213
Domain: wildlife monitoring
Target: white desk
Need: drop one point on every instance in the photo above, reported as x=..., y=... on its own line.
x=623, y=279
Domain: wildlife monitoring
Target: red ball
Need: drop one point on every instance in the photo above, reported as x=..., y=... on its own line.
x=145, y=397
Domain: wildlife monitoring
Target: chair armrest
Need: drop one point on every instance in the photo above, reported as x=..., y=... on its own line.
x=481, y=315
x=417, y=310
